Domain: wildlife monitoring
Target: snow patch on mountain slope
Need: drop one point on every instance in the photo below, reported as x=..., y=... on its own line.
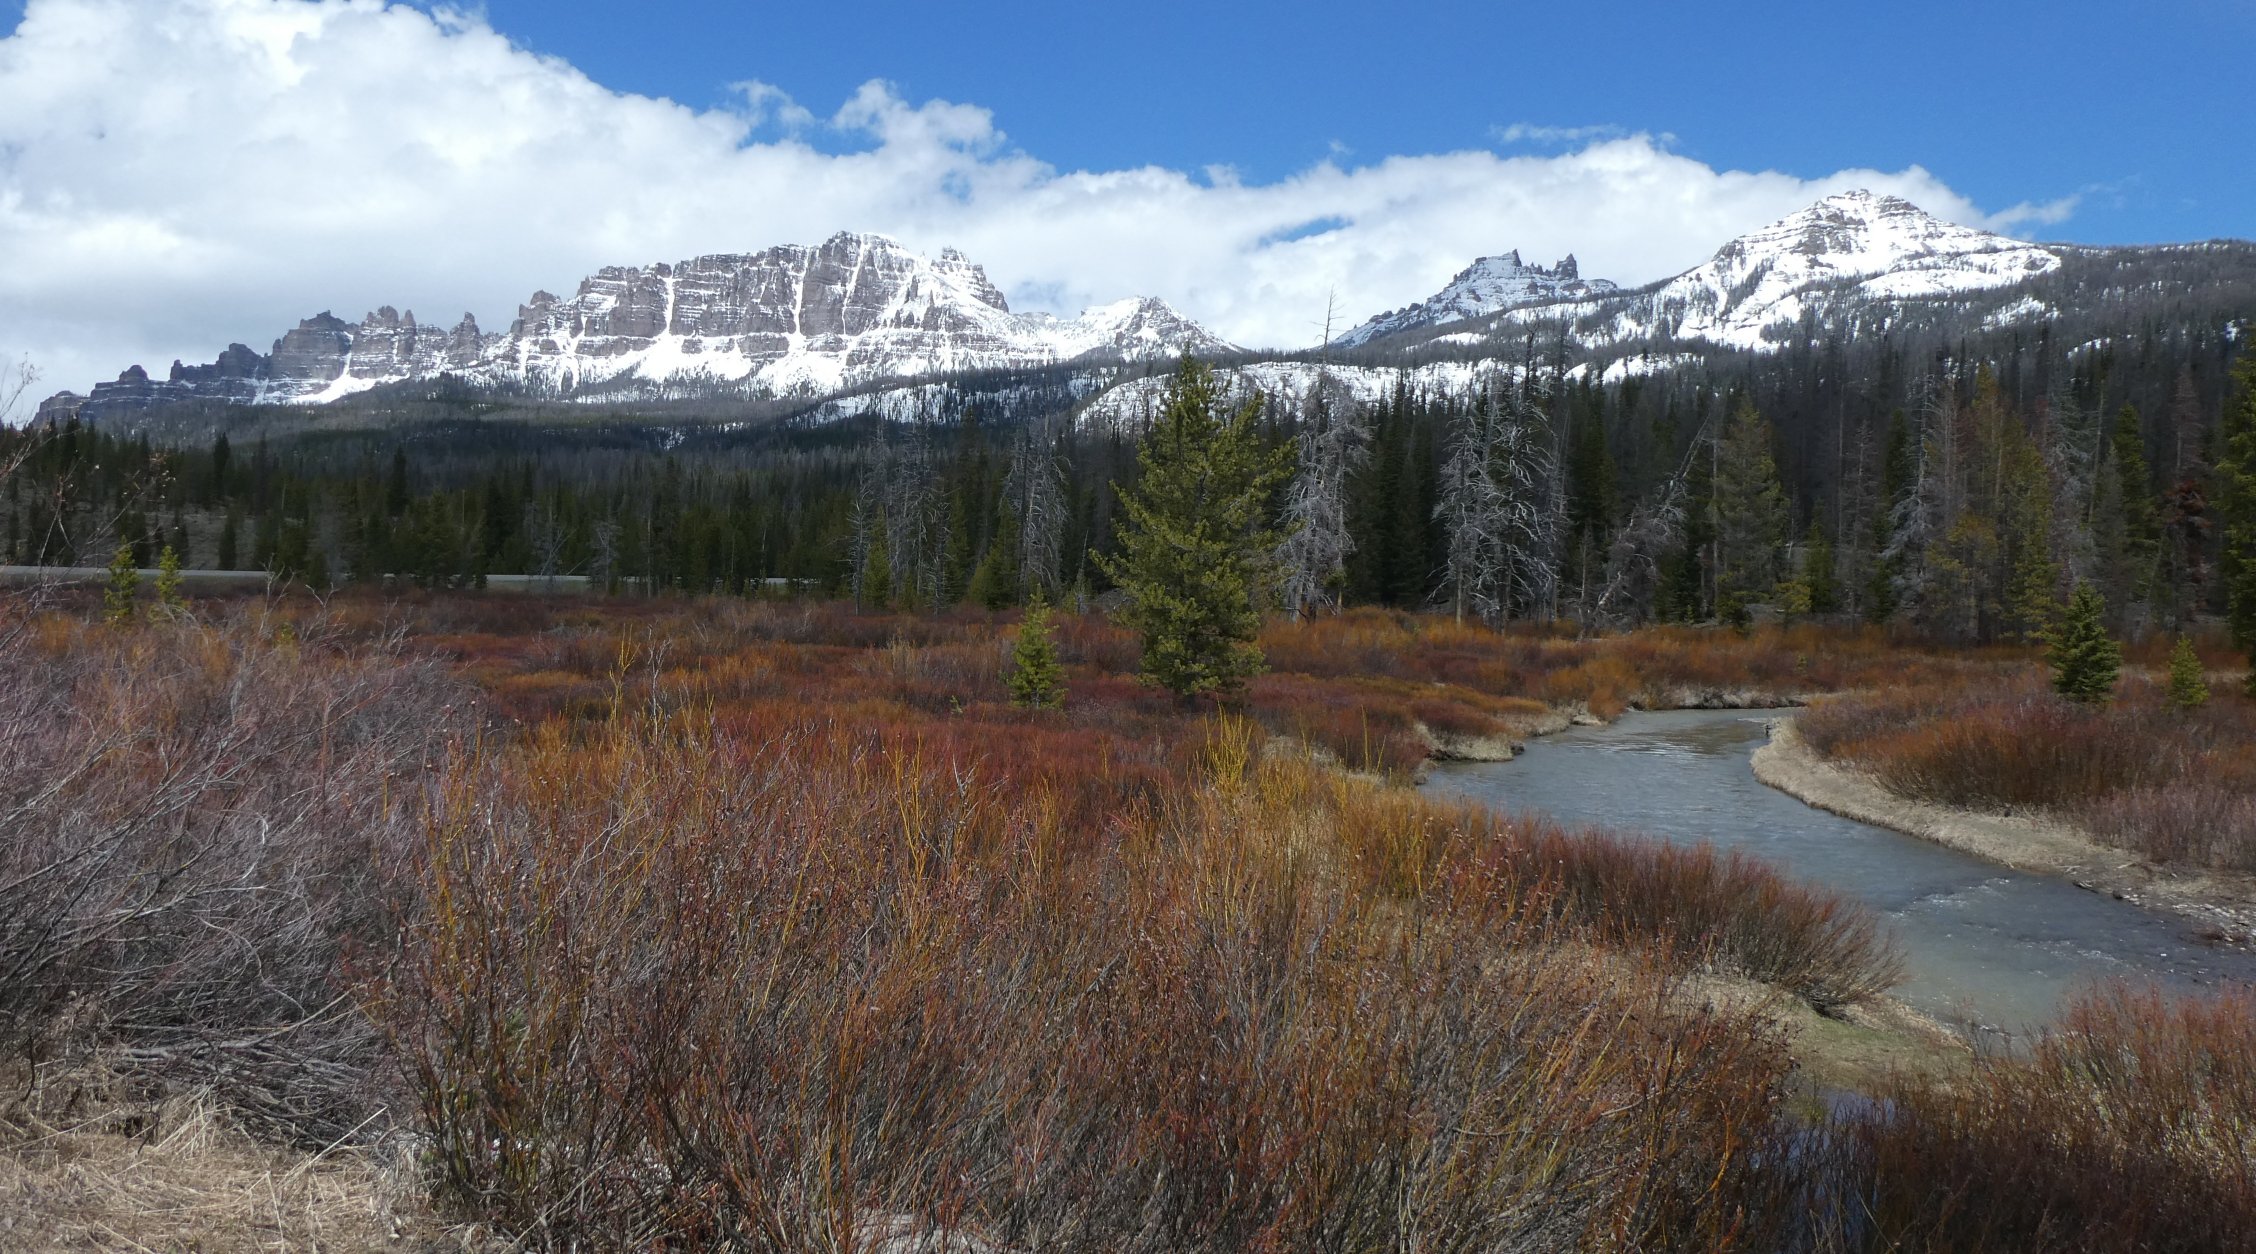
x=1130, y=406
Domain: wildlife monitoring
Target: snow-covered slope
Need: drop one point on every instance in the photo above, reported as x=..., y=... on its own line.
x=1855, y=253
x=1489, y=285
x=1130, y=405
x=788, y=321
x=1848, y=252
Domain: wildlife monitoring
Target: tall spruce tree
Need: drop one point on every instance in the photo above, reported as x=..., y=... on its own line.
x=2033, y=572
x=1750, y=514
x=1196, y=554
x=2236, y=507
x=2085, y=660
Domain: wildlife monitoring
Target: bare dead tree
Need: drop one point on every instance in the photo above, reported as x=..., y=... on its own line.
x=544, y=541
x=14, y=386
x=1498, y=508
x=1034, y=491
x=864, y=524
x=911, y=504
x=603, y=557
x=1654, y=529
x=1332, y=443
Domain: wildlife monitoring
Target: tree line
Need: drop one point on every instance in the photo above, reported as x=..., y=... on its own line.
x=1969, y=511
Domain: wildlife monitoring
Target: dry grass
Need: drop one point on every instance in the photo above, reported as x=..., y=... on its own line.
x=91, y=1161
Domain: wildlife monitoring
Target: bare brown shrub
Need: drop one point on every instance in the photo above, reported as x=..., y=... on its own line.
x=195, y=822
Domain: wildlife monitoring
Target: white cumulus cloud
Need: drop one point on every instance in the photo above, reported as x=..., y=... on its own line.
x=179, y=174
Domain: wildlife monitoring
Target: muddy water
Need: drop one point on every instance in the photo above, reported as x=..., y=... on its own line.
x=1984, y=946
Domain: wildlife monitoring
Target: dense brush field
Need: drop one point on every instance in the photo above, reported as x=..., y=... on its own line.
x=2173, y=785
x=704, y=924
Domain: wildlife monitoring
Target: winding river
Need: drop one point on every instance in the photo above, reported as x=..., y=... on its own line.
x=1985, y=947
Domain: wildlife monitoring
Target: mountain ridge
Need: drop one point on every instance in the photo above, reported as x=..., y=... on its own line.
x=1489, y=285
x=1846, y=248
x=788, y=320
x=858, y=317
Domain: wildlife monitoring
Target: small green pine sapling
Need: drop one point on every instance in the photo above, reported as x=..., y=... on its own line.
x=2188, y=690
x=171, y=603
x=1037, y=679
x=125, y=582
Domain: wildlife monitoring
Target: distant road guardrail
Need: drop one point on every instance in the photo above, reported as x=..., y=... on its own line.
x=226, y=580
x=219, y=580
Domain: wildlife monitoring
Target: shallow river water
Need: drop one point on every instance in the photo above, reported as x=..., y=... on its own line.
x=1984, y=946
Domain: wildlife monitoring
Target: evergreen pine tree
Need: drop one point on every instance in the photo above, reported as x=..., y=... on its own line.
x=125, y=582
x=996, y=582
x=221, y=454
x=170, y=602
x=2033, y=574
x=2236, y=507
x=2085, y=660
x=1819, y=571
x=1897, y=472
x=2142, y=505
x=1037, y=679
x=877, y=571
x=1195, y=554
x=2187, y=690
x=395, y=485
x=1750, y=515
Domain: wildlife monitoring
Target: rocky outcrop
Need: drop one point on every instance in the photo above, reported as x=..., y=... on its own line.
x=1489, y=285
x=59, y=408
x=795, y=319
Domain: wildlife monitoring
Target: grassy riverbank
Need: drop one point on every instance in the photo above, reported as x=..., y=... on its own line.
x=2136, y=798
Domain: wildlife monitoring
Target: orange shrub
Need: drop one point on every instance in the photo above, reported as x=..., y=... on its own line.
x=2172, y=785
x=672, y=985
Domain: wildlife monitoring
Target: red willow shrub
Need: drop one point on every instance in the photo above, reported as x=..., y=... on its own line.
x=2172, y=785
x=2126, y=1128
x=670, y=984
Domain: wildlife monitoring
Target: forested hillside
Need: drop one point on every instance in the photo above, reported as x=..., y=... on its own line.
x=1948, y=489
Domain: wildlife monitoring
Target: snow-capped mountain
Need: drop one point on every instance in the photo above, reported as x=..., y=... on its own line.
x=791, y=320
x=1489, y=285
x=1853, y=247
x=1853, y=254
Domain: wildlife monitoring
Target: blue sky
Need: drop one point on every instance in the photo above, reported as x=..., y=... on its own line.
x=179, y=174
x=2146, y=110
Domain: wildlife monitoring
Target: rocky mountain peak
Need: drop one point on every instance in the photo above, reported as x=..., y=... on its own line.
x=790, y=319
x=1489, y=285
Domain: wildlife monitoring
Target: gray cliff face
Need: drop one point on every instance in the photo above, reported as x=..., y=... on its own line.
x=794, y=319
x=313, y=354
